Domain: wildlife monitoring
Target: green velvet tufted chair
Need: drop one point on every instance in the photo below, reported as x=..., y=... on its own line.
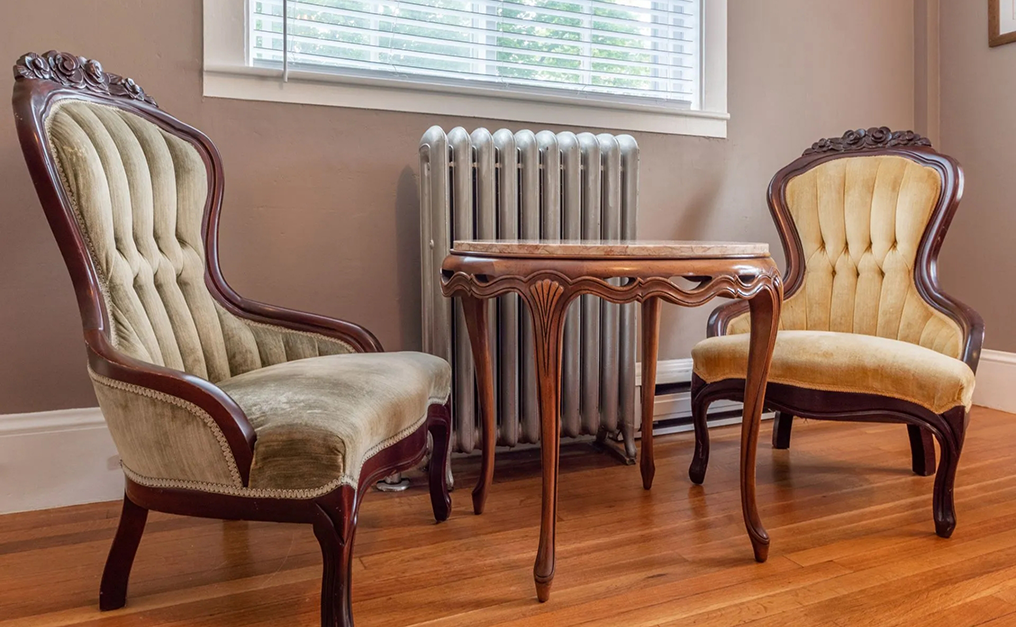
x=866, y=333
x=219, y=406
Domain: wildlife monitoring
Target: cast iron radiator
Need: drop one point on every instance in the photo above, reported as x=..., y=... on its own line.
x=529, y=185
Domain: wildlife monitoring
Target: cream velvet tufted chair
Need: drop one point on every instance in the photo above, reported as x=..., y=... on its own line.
x=866, y=333
x=219, y=406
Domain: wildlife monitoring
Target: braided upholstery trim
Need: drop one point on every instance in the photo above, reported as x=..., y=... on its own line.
x=227, y=453
x=277, y=493
x=221, y=488
x=398, y=437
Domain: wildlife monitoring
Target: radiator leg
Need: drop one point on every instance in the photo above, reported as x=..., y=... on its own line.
x=628, y=438
x=394, y=482
x=606, y=442
x=449, y=477
x=475, y=311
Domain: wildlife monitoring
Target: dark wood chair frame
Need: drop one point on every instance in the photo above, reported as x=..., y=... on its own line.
x=788, y=401
x=41, y=81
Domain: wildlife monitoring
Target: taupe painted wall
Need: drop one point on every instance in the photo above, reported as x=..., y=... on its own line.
x=979, y=129
x=927, y=77
x=321, y=204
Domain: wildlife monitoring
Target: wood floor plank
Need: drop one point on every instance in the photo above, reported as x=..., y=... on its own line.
x=879, y=594
x=851, y=528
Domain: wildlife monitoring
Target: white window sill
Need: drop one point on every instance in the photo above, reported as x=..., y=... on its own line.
x=247, y=83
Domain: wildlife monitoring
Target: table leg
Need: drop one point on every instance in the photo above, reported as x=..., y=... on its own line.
x=765, y=317
x=547, y=307
x=650, y=352
x=475, y=311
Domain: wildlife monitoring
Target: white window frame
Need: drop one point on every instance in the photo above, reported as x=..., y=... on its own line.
x=227, y=75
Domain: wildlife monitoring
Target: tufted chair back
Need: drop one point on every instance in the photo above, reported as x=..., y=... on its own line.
x=139, y=192
x=861, y=224
x=133, y=197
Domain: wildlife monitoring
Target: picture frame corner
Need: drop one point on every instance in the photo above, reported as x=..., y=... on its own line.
x=1001, y=22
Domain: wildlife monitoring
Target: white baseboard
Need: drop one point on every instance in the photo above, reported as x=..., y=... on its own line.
x=996, y=381
x=668, y=371
x=57, y=458
x=674, y=406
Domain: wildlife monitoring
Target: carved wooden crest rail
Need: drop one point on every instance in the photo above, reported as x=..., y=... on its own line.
x=80, y=73
x=875, y=138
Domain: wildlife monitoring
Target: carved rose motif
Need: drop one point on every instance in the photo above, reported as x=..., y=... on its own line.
x=77, y=72
x=870, y=139
x=93, y=72
x=32, y=66
x=67, y=68
x=852, y=138
x=877, y=136
x=120, y=86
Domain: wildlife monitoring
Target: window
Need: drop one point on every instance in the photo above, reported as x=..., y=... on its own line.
x=655, y=65
x=641, y=49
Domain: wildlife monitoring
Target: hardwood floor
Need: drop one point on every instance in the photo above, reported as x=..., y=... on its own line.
x=853, y=543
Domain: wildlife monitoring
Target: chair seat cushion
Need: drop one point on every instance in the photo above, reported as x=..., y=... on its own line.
x=319, y=419
x=846, y=362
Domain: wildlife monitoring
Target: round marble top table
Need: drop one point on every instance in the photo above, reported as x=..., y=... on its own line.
x=548, y=275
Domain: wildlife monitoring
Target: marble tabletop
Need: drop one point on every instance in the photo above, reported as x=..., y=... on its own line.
x=598, y=249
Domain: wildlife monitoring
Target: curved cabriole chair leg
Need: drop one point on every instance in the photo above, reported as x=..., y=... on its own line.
x=699, y=411
x=335, y=529
x=922, y=450
x=440, y=428
x=113, y=589
x=782, y=425
x=951, y=444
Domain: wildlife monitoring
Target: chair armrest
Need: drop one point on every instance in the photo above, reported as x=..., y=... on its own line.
x=356, y=336
x=970, y=322
x=721, y=317
x=109, y=363
x=975, y=337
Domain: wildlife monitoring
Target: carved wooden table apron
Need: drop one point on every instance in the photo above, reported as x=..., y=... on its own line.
x=550, y=275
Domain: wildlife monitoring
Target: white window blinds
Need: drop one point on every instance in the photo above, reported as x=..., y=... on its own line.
x=629, y=50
